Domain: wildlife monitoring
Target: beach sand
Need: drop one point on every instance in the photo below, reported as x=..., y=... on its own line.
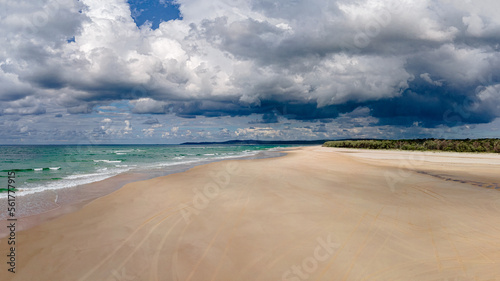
x=315, y=214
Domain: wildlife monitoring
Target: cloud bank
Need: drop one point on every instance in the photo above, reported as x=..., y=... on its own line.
x=435, y=62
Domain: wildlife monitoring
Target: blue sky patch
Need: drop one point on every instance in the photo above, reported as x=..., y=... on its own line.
x=156, y=11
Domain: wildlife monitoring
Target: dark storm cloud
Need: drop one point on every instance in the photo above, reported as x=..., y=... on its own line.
x=270, y=118
x=270, y=110
x=427, y=62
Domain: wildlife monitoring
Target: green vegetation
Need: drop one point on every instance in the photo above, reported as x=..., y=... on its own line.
x=467, y=145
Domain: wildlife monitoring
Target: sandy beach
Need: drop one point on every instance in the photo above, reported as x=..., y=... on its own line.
x=314, y=214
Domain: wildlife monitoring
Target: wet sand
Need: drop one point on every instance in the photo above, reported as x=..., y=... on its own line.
x=315, y=214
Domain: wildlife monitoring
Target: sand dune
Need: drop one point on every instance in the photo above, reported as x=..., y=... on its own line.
x=315, y=214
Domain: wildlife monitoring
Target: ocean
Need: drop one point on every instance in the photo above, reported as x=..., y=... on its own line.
x=51, y=167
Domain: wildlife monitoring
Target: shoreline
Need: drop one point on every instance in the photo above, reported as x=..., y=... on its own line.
x=71, y=199
x=325, y=212
x=68, y=200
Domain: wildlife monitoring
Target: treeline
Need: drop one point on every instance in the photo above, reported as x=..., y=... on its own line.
x=466, y=145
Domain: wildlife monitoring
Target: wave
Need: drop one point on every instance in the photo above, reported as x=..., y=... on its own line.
x=41, y=179
x=67, y=182
x=122, y=152
x=179, y=160
x=108, y=161
x=32, y=169
x=204, y=159
x=80, y=176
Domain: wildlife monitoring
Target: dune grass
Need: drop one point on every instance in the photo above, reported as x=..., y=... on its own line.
x=465, y=145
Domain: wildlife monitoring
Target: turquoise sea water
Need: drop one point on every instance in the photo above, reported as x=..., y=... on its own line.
x=40, y=168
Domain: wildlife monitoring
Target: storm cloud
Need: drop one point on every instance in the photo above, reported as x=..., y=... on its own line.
x=430, y=62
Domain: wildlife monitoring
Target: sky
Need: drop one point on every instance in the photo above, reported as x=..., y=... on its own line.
x=170, y=71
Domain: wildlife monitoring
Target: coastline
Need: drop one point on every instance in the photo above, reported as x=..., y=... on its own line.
x=265, y=219
x=37, y=208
